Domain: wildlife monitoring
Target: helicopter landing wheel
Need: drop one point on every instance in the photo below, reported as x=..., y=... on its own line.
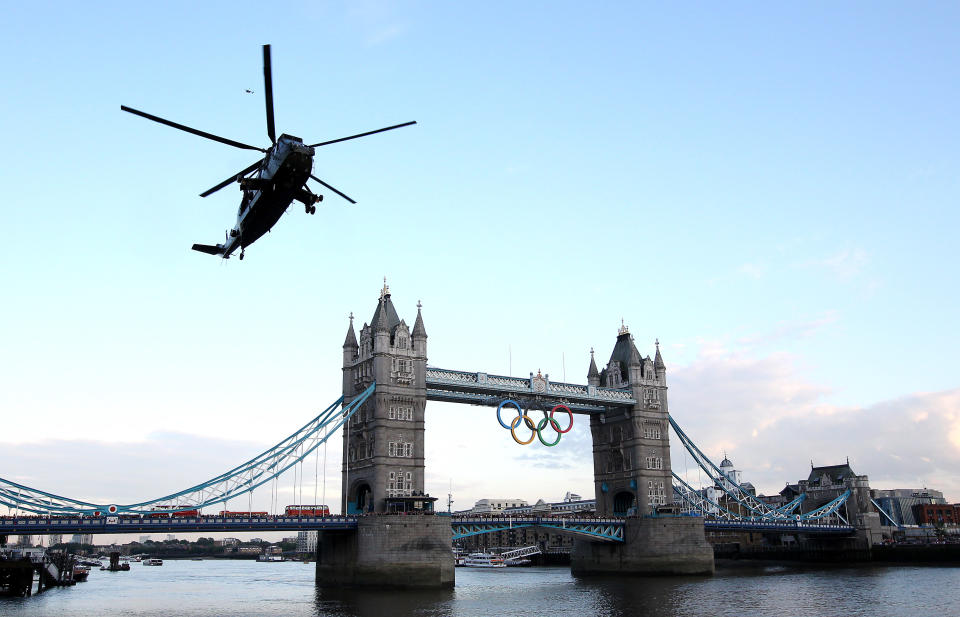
x=241, y=255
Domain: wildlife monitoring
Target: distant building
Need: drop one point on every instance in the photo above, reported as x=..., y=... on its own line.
x=897, y=505
x=937, y=515
x=731, y=476
x=495, y=506
x=82, y=538
x=54, y=539
x=828, y=482
x=307, y=542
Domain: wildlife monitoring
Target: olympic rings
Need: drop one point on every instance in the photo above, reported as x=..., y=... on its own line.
x=553, y=424
x=499, y=407
x=536, y=430
x=515, y=423
x=569, y=413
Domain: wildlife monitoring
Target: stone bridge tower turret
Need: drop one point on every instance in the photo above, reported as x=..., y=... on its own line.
x=383, y=443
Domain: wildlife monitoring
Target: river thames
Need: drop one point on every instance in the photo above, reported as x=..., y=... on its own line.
x=214, y=588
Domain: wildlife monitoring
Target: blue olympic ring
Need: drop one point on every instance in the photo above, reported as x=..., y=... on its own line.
x=500, y=406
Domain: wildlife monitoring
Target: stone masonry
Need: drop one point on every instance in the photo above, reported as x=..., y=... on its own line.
x=383, y=442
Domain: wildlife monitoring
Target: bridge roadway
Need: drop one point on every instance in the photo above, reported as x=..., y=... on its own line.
x=601, y=529
x=484, y=389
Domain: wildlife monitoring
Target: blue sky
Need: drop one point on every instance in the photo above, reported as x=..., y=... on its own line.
x=771, y=191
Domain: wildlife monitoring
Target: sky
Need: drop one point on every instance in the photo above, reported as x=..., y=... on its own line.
x=770, y=191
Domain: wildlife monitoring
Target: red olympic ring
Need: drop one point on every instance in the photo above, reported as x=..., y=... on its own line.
x=569, y=413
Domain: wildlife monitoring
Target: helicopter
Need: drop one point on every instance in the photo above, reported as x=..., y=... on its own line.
x=269, y=185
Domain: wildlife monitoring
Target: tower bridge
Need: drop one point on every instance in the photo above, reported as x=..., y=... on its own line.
x=648, y=520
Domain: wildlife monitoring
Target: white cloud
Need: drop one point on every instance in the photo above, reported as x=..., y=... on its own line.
x=844, y=264
x=772, y=421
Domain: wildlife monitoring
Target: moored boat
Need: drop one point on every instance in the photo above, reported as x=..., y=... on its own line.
x=484, y=560
x=153, y=561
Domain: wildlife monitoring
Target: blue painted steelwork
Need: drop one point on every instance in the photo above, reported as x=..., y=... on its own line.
x=238, y=481
x=144, y=524
x=489, y=390
x=755, y=509
x=604, y=529
x=817, y=528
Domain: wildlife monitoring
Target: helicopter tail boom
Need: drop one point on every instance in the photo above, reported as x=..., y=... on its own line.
x=210, y=250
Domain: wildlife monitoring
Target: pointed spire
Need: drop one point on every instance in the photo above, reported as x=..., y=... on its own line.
x=593, y=372
x=418, y=330
x=658, y=360
x=382, y=313
x=635, y=357
x=351, y=340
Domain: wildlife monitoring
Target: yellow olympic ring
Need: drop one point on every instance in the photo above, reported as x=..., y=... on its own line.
x=516, y=422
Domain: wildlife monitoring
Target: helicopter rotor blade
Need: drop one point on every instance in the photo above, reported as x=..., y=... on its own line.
x=332, y=189
x=389, y=128
x=268, y=93
x=223, y=140
x=234, y=178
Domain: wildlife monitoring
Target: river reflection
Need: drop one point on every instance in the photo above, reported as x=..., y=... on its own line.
x=770, y=590
x=234, y=589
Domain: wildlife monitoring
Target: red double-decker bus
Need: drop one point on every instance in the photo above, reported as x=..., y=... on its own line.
x=179, y=513
x=312, y=510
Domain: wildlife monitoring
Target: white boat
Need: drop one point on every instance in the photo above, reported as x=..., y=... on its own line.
x=484, y=560
x=153, y=562
x=269, y=558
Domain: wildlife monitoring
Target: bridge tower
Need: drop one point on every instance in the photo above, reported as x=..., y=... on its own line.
x=631, y=449
x=383, y=446
x=632, y=475
x=383, y=464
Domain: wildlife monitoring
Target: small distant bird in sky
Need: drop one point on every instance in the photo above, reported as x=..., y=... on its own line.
x=249, y=91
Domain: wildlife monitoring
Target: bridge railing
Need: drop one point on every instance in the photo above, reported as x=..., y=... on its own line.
x=484, y=382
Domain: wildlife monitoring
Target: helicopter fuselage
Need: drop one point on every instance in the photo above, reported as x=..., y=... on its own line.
x=268, y=194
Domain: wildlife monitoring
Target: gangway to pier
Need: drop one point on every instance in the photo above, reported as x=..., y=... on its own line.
x=521, y=552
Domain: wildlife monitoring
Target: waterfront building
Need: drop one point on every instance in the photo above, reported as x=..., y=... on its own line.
x=938, y=515
x=82, y=538
x=732, y=477
x=496, y=506
x=826, y=483
x=898, y=504
x=307, y=542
